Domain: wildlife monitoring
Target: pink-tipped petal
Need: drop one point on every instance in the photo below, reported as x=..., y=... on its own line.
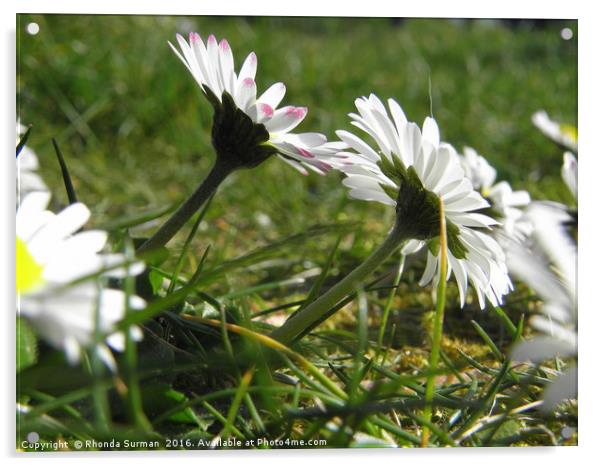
x=261, y=113
x=324, y=166
x=273, y=95
x=266, y=110
x=285, y=119
x=305, y=153
x=226, y=67
x=245, y=96
x=249, y=67
x=297, y=112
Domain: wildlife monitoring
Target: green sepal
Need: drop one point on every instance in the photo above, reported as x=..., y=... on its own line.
x=417, y=208
x=454, y=244
x=238, y=141
x=391, y=171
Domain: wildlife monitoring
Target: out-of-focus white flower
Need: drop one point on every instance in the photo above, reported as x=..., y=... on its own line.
x=565, y=135
x=28, y=180
x=478, y=170
x=569, y=173
x=412, y=170
x=53, y=260
x=547, y=262
x=506, y=203
x=212, y=66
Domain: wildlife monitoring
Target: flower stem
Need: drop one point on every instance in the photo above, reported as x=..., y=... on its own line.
x=437, y=327
x=307, y=317
x=218, y=173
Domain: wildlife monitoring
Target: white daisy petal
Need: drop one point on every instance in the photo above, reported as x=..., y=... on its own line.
x=33, y=214
x=273, y=95
x=286, y=119
x=371, y=195
x=358, y=145
x=412, y=246
x=569, y=173
x=245, y=94
x=430, y=131
x=399, y=117
x=429, y=270
x=226, y=63
x=248, y=68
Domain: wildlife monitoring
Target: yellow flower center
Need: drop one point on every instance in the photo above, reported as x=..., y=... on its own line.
x=29, y=272
x=570, y=131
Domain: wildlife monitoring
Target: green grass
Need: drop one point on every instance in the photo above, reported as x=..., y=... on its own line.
x=134, y=129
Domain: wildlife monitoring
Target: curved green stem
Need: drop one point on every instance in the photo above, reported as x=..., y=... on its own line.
x=319, y=308
x=218, y=173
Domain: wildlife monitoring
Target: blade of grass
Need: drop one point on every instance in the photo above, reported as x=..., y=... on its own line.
x=134, y=398
x=245, y=381
x=102, y=415
x=317, y=286
x=65, y=173
x=389, y=303
x=488, y=341
x=180, y=262
x=220, y=417
x=23, y=140
x=438, y=325
x=505, y=320
x=135, y=219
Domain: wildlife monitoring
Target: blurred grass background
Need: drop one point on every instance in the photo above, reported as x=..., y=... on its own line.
x=135, y=127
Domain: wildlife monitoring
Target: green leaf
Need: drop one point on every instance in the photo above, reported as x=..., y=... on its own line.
x=27, y=345
x=158, y=398
x=137, y=218
x=155, y=279
x=508, y=429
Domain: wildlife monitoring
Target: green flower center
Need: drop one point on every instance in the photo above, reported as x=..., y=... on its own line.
x=29, y=272
x=418, y=208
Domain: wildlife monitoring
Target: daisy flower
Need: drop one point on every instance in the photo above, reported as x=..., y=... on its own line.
x=565, y=135
x=506, y=204
x=28, y=179
x=548, y=264
x=212, y=66
x=413, y=170
x=50, y=256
